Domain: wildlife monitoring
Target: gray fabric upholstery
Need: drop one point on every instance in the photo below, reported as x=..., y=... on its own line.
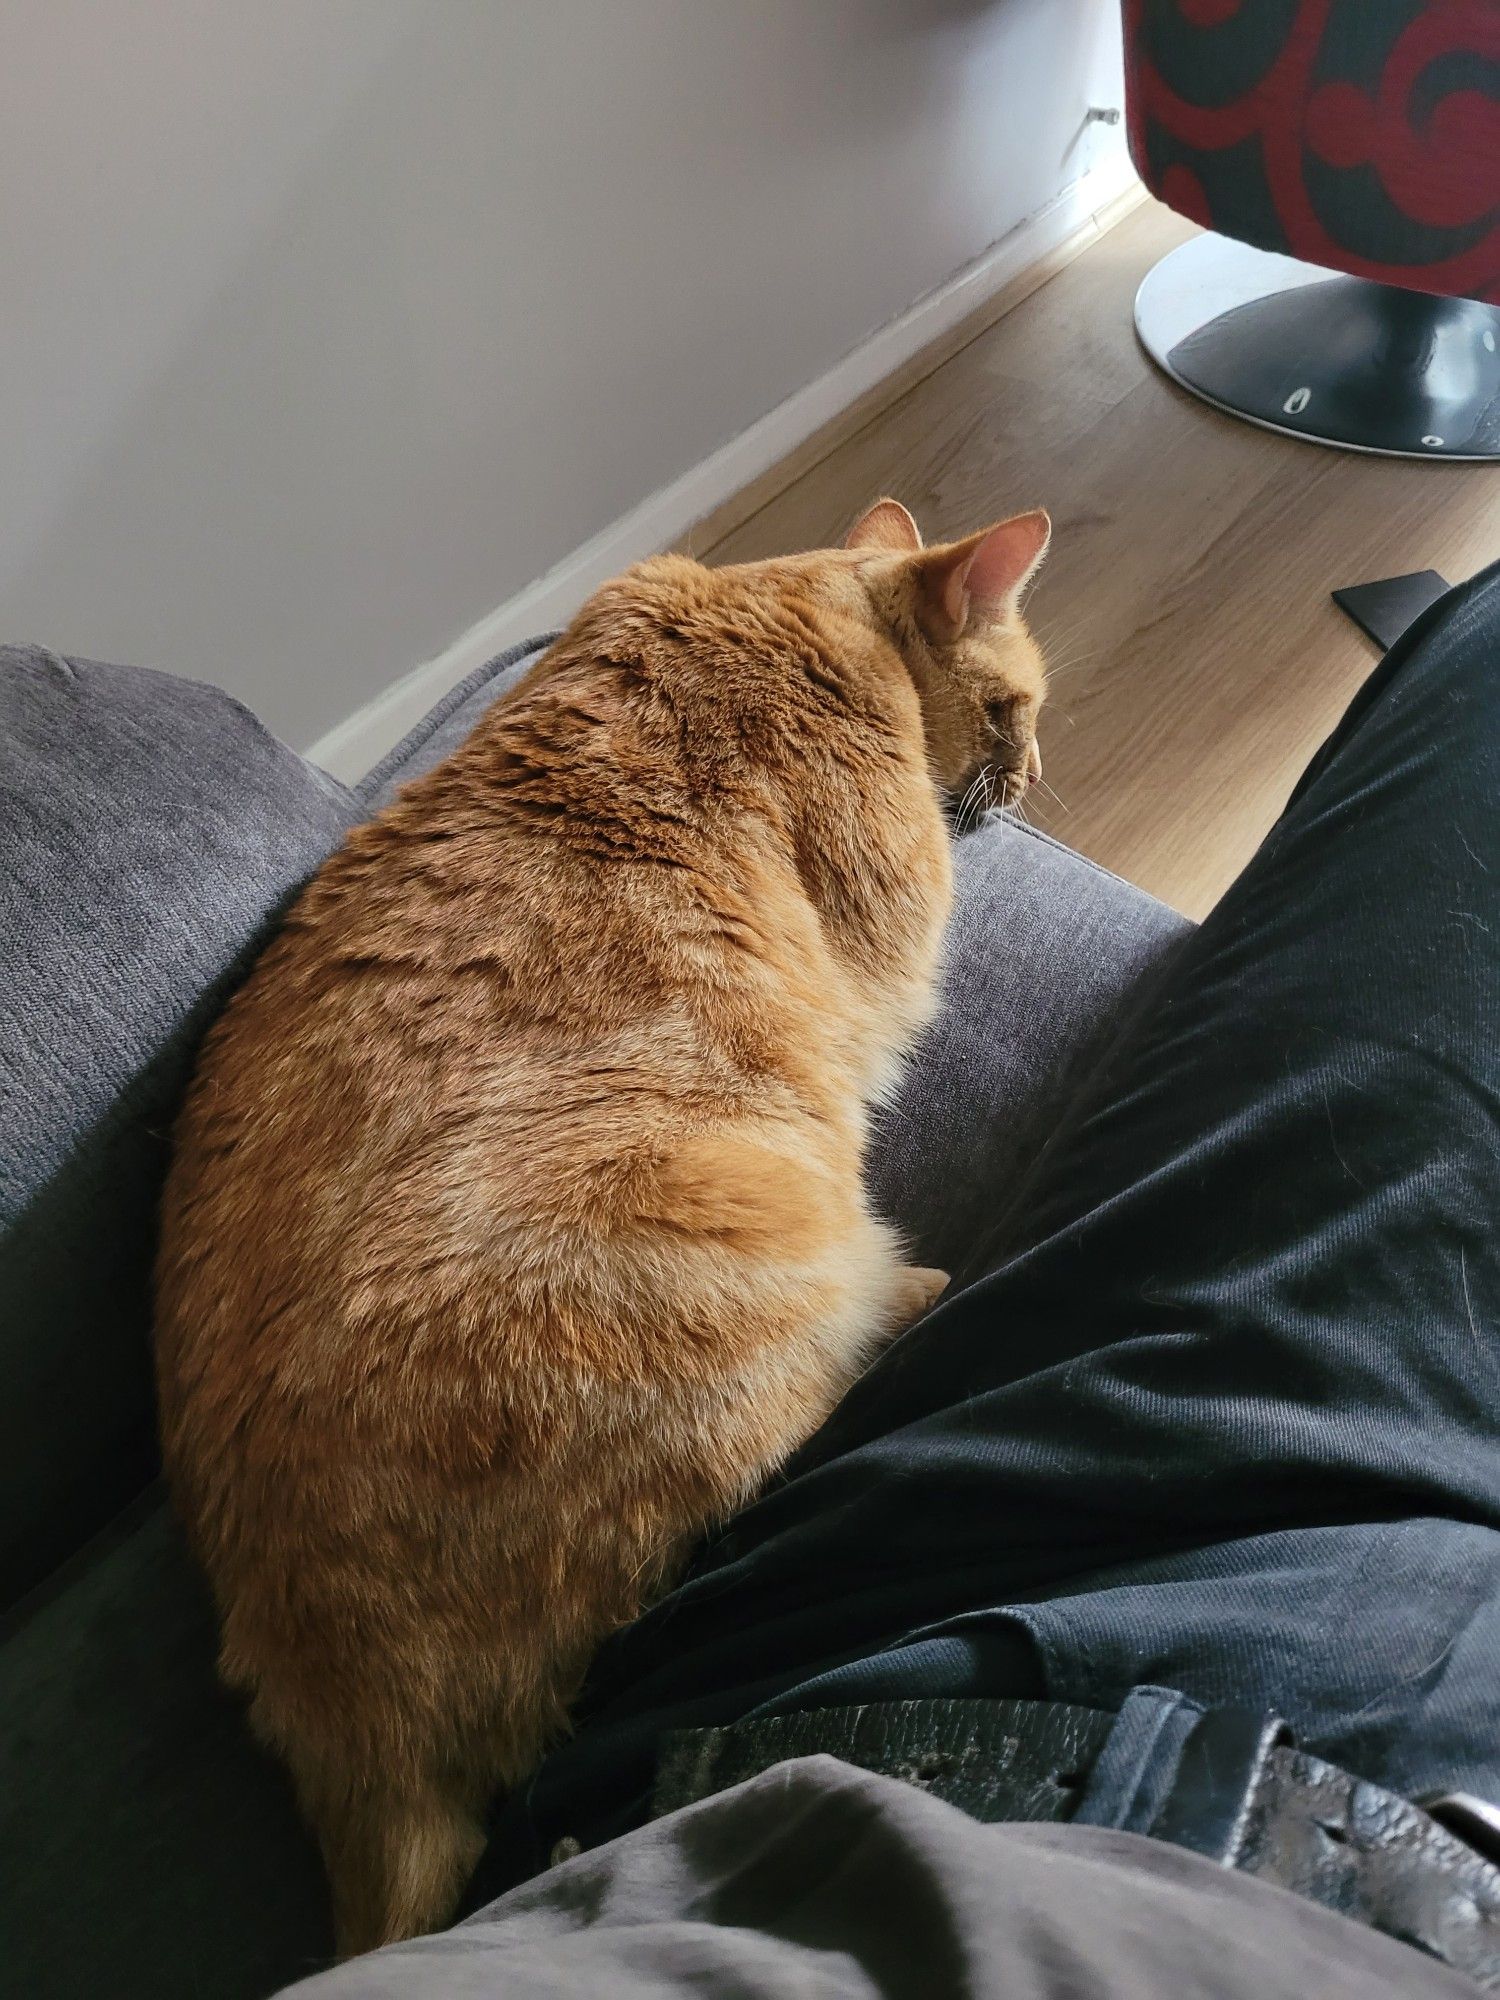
x=448, y=722
x=149, y=830
x=1045, y=951
x=150, y=1847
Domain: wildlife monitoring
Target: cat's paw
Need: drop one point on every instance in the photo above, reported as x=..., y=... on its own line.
x=918, y=1290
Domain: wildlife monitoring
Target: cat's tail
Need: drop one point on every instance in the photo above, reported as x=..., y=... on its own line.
x=397, y=1857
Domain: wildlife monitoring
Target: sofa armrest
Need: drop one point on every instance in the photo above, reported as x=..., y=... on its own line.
x=1045, y=952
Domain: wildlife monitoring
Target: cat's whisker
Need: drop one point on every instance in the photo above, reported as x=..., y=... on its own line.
x=1081, y=639
x=1068, y=632
x=1066, y=660
x=1066, y=671
x=961, y=814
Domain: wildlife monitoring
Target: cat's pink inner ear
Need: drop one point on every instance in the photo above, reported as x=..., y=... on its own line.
x=1007, y=557
x=886, y=525
x=987, y=571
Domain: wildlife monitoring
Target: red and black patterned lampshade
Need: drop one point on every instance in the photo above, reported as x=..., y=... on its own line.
x=1359, y=134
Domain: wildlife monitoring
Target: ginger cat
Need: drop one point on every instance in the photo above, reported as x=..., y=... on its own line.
x=516, y=1228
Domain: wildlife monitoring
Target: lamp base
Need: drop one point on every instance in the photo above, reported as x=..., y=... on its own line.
x=1338, y=361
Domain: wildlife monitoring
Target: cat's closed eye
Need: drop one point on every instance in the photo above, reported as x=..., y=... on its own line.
x=1008, y=723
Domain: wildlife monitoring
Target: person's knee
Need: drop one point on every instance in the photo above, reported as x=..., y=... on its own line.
x=1456, y=643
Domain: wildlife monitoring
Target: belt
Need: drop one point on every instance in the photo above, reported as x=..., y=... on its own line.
x=1227, y=1783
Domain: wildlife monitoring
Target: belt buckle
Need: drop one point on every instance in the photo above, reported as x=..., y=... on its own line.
x=1474, y=1820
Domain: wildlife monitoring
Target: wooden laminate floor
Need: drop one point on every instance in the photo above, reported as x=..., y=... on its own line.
x=1198, y=661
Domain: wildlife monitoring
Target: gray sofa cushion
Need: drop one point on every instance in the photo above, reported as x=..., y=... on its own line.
x=1045, y=954
x=448, y=722
x=150, y=829
x=152, y=1850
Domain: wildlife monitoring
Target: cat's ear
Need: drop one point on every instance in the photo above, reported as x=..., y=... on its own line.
x=984, y=573
x=886, y=526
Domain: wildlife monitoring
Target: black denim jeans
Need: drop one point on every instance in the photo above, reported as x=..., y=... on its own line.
x=1225, y=1413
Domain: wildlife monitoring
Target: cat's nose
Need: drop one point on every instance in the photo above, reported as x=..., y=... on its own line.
x=1033, y=763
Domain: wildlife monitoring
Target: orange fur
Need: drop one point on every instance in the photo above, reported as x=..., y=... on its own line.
x=516, y=1228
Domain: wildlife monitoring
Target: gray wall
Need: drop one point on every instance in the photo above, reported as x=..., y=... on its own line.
x=328, y=324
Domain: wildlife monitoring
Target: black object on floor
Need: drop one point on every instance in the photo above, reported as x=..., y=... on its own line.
x=1386, y=608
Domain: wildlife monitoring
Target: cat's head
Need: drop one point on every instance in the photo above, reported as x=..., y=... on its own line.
x=954, y=612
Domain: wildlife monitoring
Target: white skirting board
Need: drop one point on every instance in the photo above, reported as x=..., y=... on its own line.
x=350, y=748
